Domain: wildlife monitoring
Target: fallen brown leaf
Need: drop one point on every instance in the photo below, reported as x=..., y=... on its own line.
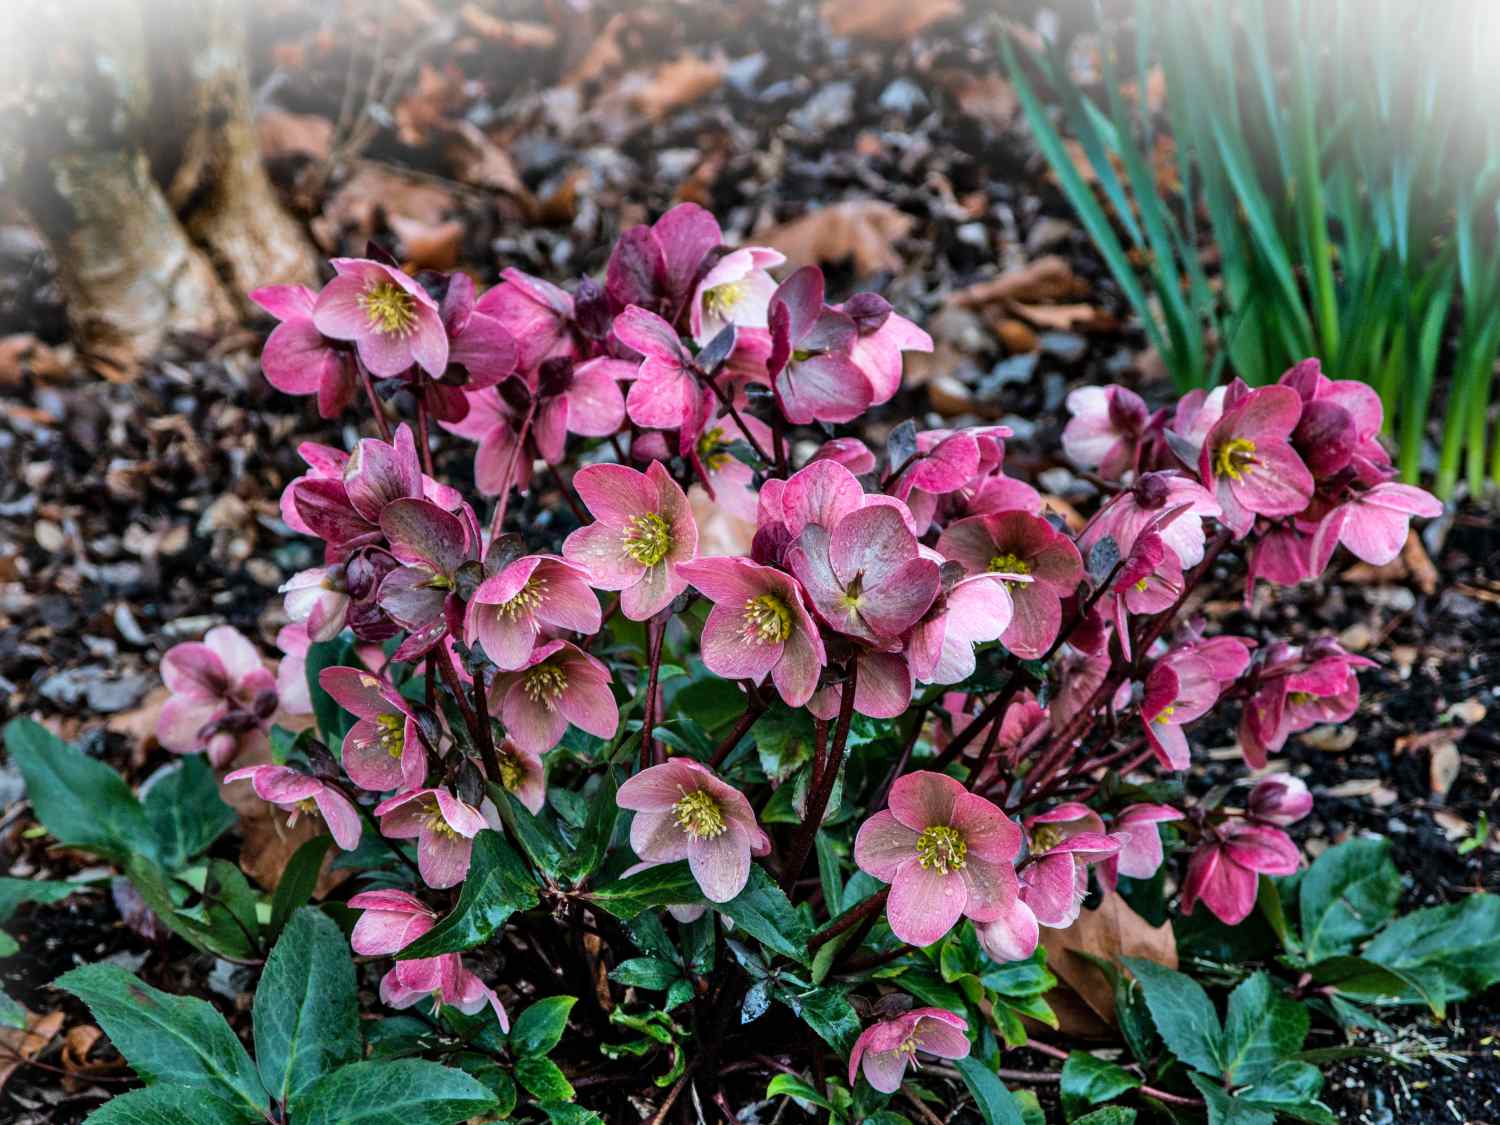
x=19, y=1045
x=985, y=97
x=1419, y=564
x=480, y=161
x=863, y=229
x=429, y=246
x=614, y=45
x=679, y=82
x=1048, y=278
x=512, y=33
x=279, y=133
x=1111, y=932
x=1443, y=764
x=889, y=20
x=437, y=96
x=1062, y=318
x=374, y=190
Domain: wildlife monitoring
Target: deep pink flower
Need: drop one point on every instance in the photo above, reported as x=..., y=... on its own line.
x=297, y=793
x=643, y=530
x=1356, y=401
x=1279, y=799
x=884, y=1049
x=1179, y=688
x=344, y=511
x=443, y=826
x=760, y=625
x=1224, y=872
x=655, y=267
x=1298, y=689
x=882, y=691
x=1140, y=851
x=972, y=611
x=510, y=610
x=1248, y=462
x=1373, y=524
x=477, y=341
x=1019, y=544
x=1064, y=841
x=421, y=596
x=849, y=452
x=665, y=391
x=558, y=685
x=821, y=493
x=881, y=337
x=298, y=359
x=946, y=853
x=324, y=462
x=391, y=319
x=736, y=290
x=946, y=462
x=683, y=811
x=1105, y=429
x=537, y=314
x=810, y=366
x=222, y=696
x=494, y=425
x=1145, y=504
x=382, y=749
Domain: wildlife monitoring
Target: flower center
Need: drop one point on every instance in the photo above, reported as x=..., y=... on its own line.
x=525, y=600
x=1141, y=585
x=1009, y=563
x=1165, y=715
x=1235, y=457
x=434, y=822
x=544, y=684
x=392, y=310
x=721, y=298
x=307, y=805
x=511, y=770
x=648, y=539
x=1300, y=698
x=767, y=620
x=392, y=736
x=699, y=815
x=711, y=449
x=942, y=849
x=1045, y=837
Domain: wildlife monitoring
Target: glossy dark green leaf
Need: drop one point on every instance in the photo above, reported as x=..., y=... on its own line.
x=171, y=1105
x=764, y=912
x=540, y=841
x=1453, y=949
x=828, y=1012
x=543, y=1080
x=1182, y=1013
x=539, y=1028
x=1348, y=893
x=392, y=1092
x=667, y=884
x=13, y=892
x=598, y=830
x=1088, y=1081
x=993, y=1100
x=333, y=721
x=646, y=972
x=297, y=883
x=184, y=809
x=498, y=885
x=1261, y=1028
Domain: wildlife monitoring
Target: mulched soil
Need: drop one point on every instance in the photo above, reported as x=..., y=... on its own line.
x=135, y=516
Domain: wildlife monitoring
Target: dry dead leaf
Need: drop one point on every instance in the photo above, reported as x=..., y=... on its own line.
x=1454, y=826
x=512, y=33
x=608, y=53
x=1443, y=763
x=1048, y=278
x=1063, y=318
x=279, y=133
x=1111, y=932
x=429, y=246
x=480, y=161
x=373, y=191
x=1329, y=738
x=18, y=1045
x=438, y=96
x=891, y=21
x=863, y=229
x=985, y=97
x=23, y=352
x=1419, y=564
x=677, y=83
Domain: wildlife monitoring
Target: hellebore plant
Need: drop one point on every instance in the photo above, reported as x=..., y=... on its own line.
x=903, y=661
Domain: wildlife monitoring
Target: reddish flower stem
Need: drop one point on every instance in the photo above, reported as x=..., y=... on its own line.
x=820, y=788
x=865, y=908
x=377, y=408
x=656, y=630
x=424, y=437
x=754, y=709
x=497, y=522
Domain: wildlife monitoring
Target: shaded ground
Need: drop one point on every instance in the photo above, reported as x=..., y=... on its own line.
x=132, y=517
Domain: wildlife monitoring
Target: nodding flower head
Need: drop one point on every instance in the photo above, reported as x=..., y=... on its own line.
x=885, y=1049
x=559, y=684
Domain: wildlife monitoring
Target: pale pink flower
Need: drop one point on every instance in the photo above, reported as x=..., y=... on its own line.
x=1225, y=870
x=523, y=774
x=760, y=625
x=495, y=425
x=1279, y=799
x=558, y=685
x=1064, y=841
x=885, y=1049
x=443, y=826
x=882, y=335
x=1373, y=524
x=1140, y=851
x=1179, y=688
x=813, y=375
x=974, y=610
x=392, y=320
x=643, y=530
x=291, y=674
x=736, y=290
x=882, y=691
x=683, y=811
x=665, y=392
x=510, y=610
x=318, y=599
x=1145, y=504
x=1247, y=460
x=1105, y=429
x=222, y=696
x=298, y=793
x=298, y=359
x=382, y=750
x=946, y=853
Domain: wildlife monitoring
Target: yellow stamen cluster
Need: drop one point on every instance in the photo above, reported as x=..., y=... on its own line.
x=711, y=449
x=525, y=600
x=719, y=300
x=1300, y=698
x=1009, y=563
x=511, y=770
x=942, y=849
x=307, y=805
x=1166, y=714
x=1045, y=837
x=392, y=735
x=434, y=822
x=648, y=539
x=699, y=815
x=1234, y=458
x=544, y=684
x=391, y=310
x=767, y=620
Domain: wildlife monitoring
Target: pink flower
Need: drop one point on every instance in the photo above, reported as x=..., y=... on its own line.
x=1280, y=799
x=1145, y=504
x=849, y=452
x=382, y=750
x=477, y=341
x=1225, y=870
x=760, y=625
x=867, y=578
x=736, y=290
x=655, y=267
x=443, y=826
x=495, y=425
x=222, y=696
x=683, y=811
x=1373, y=524
x=298, y=793
x=882, y=691
x=537, y=314
x=946, y=853
x=422, y=596
x=972, y=611
x=810, y=366
x=882, y=335
x=643, y=530
x=884, y=1049
x=1248, y=462
x=665, y=391
x=1298, y=689
x=522, y=773
x=1140, y=851
x=291, y=673
x=318, y=599
x=1179, y=689
x=1017, y=544
x=297, y=358
x=1064, y=841
x=510, y=610
x=391, y=921
x=558, y=685
x=1105, y=429
x=1356, y=401
x=391, y=319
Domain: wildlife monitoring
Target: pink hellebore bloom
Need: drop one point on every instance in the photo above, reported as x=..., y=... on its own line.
x=494, y=425
x=1145, y=504
x=297, y=793
x=760, y=625
x=318, y=599
x=1224, y=872
x=1140, y=851
x=382, y=750
x=1373, y=524
x=222, y=696
x=972, y=611
x=1318, y=684
x=946, y=853
x=392, y=320
x=1247, y=460
x=291, y=673
x=1019, y=544
x=882, y=690
x=1105, y=429
x=1179, y=689
x=683, y=811
x=665, y=392
x=812, y=373
x=443, y=826
x=523, y=774
x=736, y=290
x=510, y=610
x=537, y=314
x=655, y=267
x=391, y=921
x=885, y=1049
x=558, y=685
x=1279, y=799
x=422, y=595
x=297, y=358
x=1064, y=841
x=643, y=531
x=1359, y=402
x=882, y=336
x=478, y=342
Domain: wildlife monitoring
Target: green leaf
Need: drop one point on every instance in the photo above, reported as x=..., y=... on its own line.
x=794, y=1086
x=828, y=1012
x=215, y=928
x=1087, y=1081
x=1349, y=892
x=1109, y=1115
x=1291, y=1088
x=995, y=1104
x=79, y=800
x=764, y=912
x=567, y=1114
x=646, y=972
x=174, y=1040
x=184, y=809
x=13, y=892
x=1223, y=1109
x=497, y=886
x=12, y=1014
x=297, y=883
x=170, y=1105
x=1182, y=1013
x=1358, y=977
x=667, y=884
x=598, y=830
x=537, y=838
x=387, y=1092
x=543, y=1080
x=538, y=1029
x=306, y=1015
x=1453, y=949
x=1261, y=1028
